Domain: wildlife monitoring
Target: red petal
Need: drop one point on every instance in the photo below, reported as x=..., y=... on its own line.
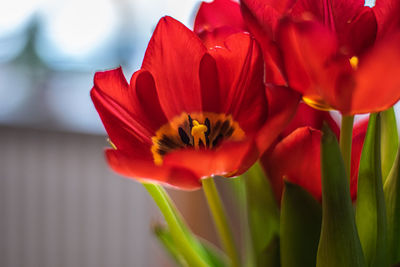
x=334, y=14
x=312, y=64
x=113, y=101
x=133, y=166
x=361, y=33
x=217, y=36
x=218, y=13
x=262, y=20
x=147, y=101
x=282, y=106
x=378, y=78
x=173, y=57
x=262, y=9
x=307, y=116
x=211, y=96
x=297, y=159
x=240, y=70
x=303, y=147
x=354, y=24
x=387, y=16
x=359, y=131
x=113, y=84
x=230, y=159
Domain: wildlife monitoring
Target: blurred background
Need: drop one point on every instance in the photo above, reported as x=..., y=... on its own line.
x=60, y=205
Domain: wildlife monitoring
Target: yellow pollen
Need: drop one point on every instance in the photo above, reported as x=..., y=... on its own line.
x=111, y=144
x=316, y=104
x=199, y=133
x=354, y=62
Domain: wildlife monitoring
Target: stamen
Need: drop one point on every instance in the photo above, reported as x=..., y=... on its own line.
x=217, y=140
x=316, y=104
x=354, y=62
x=224, y=126
x=208, y=124
x=184, y=137
x=197, y=130
x=199, y=133
x=111, y=144
x=190, y=121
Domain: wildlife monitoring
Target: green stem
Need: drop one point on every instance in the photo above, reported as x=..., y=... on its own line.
x=175, y=225
x=220, y=220
x=346, y=137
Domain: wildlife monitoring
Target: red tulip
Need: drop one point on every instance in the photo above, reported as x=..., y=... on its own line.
x=327, y=51
x=190, y=112
x=296, y=157
x=307, y=116
x=387, y=17
x=216, y=20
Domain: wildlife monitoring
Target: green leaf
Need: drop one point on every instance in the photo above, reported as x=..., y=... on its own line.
x=238, y=188
x=214, y=255
x=185, y=242
x=389, y=141
x=301, y=217
x=339, y=244
x=165, y=238
x=392, y=197
x=271, y=254
x=371, y=210
x=263, y=215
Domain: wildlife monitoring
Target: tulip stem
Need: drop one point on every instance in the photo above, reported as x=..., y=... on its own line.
x=346, y=136
x=175, y=223
x=220, y=220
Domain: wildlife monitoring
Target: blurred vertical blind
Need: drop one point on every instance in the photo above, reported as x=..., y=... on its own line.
x=61, y=206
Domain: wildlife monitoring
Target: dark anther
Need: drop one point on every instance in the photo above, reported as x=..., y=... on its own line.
x=217, y=125
x=217, y=140
x=201, y=144
x=168, y=142
x=207, y=123
x=184, y=137
x=190, y=122
x=161, y=152
x=224, y=127
x=229, y=132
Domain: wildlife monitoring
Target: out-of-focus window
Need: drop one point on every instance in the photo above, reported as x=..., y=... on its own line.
x=50, y=50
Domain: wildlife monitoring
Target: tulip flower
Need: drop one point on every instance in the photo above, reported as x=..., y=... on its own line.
x=296, y=157
x=190, y=112
x=328, y=52
x=387, y=17
x=218, y=14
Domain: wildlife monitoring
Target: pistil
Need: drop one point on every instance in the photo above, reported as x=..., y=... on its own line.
x=199, y=133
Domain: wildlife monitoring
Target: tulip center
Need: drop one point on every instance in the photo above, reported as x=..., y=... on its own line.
x=194, y=131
